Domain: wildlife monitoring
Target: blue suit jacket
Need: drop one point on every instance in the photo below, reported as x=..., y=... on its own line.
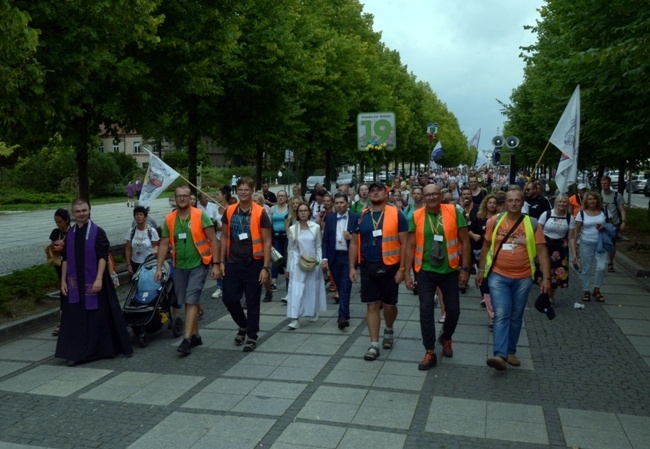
x=329, y=234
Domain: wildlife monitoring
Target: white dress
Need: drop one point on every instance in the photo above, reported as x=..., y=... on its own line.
x=306, y=294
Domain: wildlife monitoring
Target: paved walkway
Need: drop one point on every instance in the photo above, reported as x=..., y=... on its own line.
x=584, y=382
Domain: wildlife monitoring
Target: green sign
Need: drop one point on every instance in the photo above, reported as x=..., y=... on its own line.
x=376, y=131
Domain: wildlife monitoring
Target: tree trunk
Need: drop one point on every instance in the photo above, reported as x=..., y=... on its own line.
x=259, y=164
x=192, y=152
x=328, y=168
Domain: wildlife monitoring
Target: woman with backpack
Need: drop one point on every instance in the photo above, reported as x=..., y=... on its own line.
x=141, y=240
x=559, y=230
x=589, y=222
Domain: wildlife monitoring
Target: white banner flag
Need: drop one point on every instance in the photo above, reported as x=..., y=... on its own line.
x=474, y=141
x=481, y=159
x=159, y=177
x=435, y=154
x=566, y=138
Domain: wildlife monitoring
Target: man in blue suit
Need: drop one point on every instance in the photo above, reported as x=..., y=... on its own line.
x=336, y=241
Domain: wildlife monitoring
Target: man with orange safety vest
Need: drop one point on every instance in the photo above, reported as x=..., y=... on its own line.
x=378, y=243
x=189, y=232
x=438, y=247
x=246, y=252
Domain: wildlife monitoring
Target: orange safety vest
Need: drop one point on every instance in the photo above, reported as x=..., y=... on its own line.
x=255, y=228
x=201, y=241
x=575, y=205
x=390, y=245
x=451, y=235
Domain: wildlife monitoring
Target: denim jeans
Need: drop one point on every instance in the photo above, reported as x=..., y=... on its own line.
x=428, y=281
x=509, y=297
x=587, y=255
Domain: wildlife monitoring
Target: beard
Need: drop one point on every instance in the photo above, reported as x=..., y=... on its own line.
x=378, y=202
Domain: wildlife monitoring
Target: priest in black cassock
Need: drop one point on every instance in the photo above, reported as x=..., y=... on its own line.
x=92, y=325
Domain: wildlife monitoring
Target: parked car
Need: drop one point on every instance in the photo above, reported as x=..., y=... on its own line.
x=369, y=177
x=313, y=180
x=346, y=179
x=638, y=183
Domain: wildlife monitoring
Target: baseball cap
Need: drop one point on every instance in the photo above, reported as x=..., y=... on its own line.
x=543, y=305
x=582, y=185
x=501, y=199
x=379, y=184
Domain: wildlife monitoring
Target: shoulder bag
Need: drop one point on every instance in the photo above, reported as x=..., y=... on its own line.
x=484, y=285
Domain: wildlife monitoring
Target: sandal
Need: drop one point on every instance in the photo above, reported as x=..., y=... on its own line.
x=598, y=296
x=241, y=336
x=610, y=268
x=56, y=331
x=250, y=346
x=586, y=297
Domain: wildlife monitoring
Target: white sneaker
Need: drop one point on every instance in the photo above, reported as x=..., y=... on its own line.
x=294, y=325
x=314, y=318
x=217, y=294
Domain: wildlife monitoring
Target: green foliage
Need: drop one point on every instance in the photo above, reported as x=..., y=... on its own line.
x=30, y=284
x=23, y=196
x=127, y=167
x=637, y=219
x=176, y=160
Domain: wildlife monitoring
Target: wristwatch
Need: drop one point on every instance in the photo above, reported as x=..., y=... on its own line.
x=267, y=269
x=465, y=268
x=216, y=263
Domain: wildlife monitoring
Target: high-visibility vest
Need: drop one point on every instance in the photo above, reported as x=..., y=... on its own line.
x=390, y=245
x=451, y=235
x=255, y=229
x=531, y=246
x=201, y=241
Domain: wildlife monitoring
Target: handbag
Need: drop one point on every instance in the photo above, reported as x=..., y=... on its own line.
x=306, y=263
x=52, y=258
x=486, y=290
x=276, y=257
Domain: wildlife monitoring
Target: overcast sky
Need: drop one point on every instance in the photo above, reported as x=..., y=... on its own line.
x=467, y=50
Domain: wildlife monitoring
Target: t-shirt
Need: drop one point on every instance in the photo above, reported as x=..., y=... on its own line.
x=589, y=232
x=270, y=196
x=242, y=250
x=371, y=246
x=611, y=205
x=358, y=206
x=434, y=222
x=187, y=256
x=556, y=227
x=141, y=245
x=211, y=209
x=278, y=219
x=513, y=263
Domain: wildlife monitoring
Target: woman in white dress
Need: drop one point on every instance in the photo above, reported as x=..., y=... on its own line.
x=306, y=294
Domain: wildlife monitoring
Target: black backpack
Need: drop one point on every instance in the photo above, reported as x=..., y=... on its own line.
x=148, y=233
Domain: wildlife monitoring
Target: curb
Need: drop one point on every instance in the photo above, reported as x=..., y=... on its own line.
x=633, y=269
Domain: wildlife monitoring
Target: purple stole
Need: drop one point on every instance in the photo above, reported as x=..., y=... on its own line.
x=90, y=270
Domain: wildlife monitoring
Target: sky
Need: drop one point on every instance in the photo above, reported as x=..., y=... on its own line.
x=467, y=50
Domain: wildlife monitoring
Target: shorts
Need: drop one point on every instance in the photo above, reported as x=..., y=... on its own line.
x=188, y=283
x=383, y=289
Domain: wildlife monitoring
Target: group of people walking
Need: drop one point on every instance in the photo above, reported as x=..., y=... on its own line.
x=511, y=240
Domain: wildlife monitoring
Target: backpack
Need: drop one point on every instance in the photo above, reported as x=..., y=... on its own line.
x=148, y=233
x=568, y=216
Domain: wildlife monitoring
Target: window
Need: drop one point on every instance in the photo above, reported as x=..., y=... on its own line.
x=116, y=148
x=100, y=148
x=137, y=147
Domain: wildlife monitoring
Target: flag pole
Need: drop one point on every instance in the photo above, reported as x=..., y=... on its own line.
x=197, y=189
x=540, y=158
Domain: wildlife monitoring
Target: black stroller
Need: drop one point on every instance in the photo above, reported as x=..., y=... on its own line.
x=148, y=306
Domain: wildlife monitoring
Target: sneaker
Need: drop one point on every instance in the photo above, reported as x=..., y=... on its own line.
x=185, y=347
x=274, y=287
x=250, y=346
x=388, y=341
x=294, y=325
x=447, y=351
x=284, y=300
x=217, y=293
x=343, y=323
x=372, y=354
x=314, y=318
x=268, y=297
x=196, y=340
x=429, y=361
x=498, y=363
x=512, y=360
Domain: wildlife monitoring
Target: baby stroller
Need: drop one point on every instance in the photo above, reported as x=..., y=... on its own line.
x=148, y=306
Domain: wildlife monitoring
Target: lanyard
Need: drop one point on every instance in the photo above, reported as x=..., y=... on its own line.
x=437, y=225
x=375, y=223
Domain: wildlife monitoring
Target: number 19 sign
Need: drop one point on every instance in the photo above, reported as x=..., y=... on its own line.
x=376, y=130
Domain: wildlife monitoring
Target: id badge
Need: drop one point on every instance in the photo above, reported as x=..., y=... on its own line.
x=243, y=236
x=508, y=246
x=437, y=238
x=376, y=233
x=182, y=236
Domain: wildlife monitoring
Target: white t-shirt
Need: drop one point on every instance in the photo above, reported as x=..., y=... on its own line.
x=141, y=245
x=211, y=209
x=556, y=227
x=589, y=233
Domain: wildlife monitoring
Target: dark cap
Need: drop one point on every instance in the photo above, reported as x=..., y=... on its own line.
x=379, y=184
x=501, y=199
x=543, y=305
